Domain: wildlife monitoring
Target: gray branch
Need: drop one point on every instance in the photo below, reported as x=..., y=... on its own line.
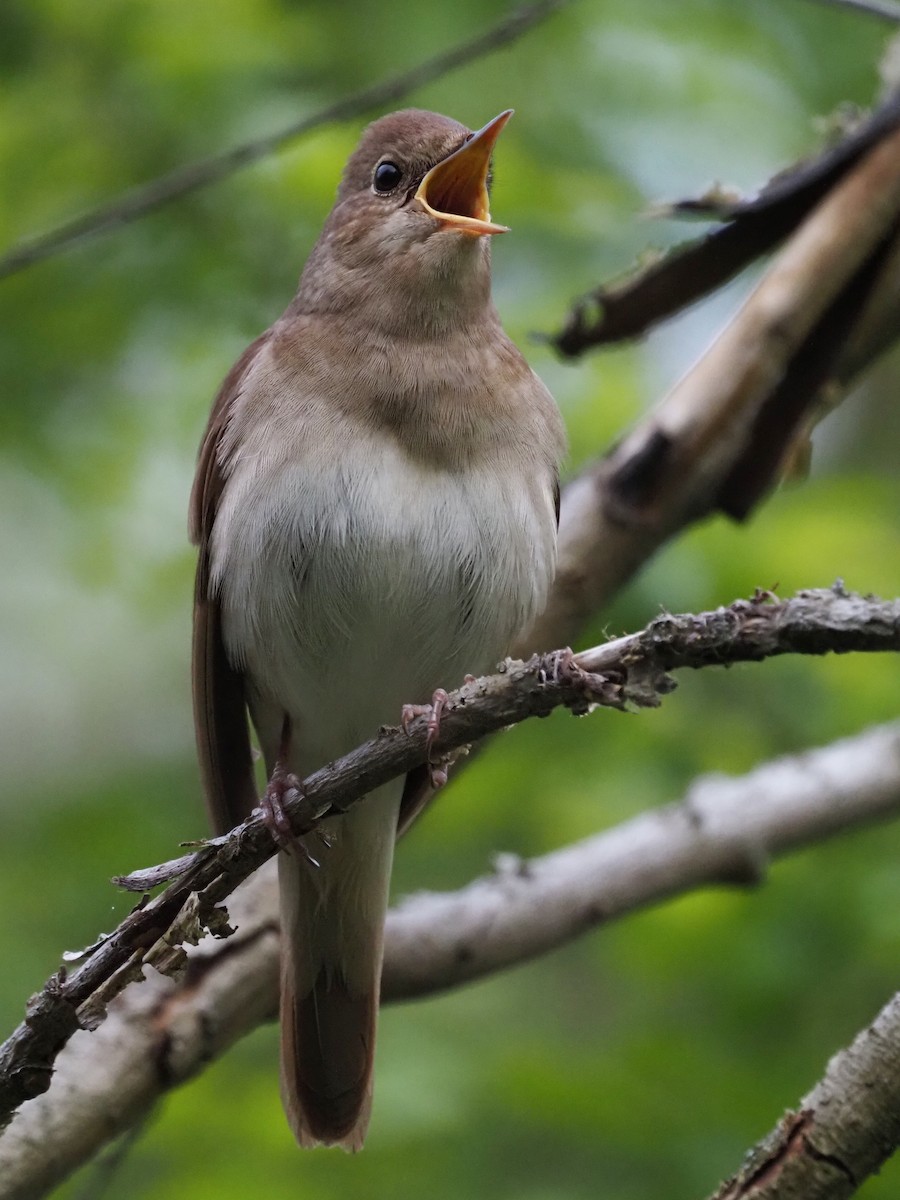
x=724, y=831
x=843, y=1131
x=627, y=673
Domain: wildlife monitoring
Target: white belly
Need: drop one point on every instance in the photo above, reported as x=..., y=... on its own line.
x=351, y=587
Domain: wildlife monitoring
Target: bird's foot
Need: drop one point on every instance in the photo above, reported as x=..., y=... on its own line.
x=434, y=711
x=275, y=818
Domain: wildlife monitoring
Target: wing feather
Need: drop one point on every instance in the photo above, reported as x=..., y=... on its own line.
x=220, y=710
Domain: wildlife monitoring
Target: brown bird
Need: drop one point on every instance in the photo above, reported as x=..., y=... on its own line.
x=376, y=505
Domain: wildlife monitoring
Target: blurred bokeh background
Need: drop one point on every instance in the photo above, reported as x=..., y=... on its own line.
x=642, y=1061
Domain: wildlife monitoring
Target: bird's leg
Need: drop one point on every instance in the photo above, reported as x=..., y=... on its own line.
x=282, y=781
x=433, y=711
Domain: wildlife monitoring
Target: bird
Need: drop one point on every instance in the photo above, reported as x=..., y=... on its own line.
x=376, y=507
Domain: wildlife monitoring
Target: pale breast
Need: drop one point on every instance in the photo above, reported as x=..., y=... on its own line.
x=354, y=579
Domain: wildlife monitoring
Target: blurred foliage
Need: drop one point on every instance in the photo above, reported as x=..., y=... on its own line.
x=640, y=1062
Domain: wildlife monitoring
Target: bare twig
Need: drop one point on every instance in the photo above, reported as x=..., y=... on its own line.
x=725, y=830
x=633, y=675
x=190, y=178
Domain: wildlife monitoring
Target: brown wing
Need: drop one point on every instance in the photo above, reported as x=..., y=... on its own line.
x=220, y=711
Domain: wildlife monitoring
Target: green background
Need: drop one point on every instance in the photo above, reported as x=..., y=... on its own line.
x=638, y=1063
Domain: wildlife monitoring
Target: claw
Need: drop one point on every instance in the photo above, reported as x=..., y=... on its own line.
x=433, y=711
x=439, y=701
x=276, y=819
x=271, y=805
x=409, y=712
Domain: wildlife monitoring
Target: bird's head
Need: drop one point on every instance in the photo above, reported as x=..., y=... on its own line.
x=412, y=219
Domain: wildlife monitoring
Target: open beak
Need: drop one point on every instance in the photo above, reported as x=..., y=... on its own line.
x=455, y=191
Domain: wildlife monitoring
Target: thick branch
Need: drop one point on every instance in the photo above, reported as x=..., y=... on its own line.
x=628, y=307
x=633, y=675
x=190, y=178
x=725, y=830
x=718, y=439
x=843, y=1131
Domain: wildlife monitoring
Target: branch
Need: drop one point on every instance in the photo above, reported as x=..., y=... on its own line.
x=844, y=1130
x=721, y=435
x=725, y=830
x=633, y=675
x=179, y=183
x=628, y=307
x=886, y=10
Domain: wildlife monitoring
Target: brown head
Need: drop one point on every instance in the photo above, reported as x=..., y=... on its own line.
x=410, y=229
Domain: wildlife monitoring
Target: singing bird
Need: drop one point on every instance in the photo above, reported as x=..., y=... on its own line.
x=376, y=505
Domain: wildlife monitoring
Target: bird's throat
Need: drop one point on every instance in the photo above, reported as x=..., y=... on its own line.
x=434, y=288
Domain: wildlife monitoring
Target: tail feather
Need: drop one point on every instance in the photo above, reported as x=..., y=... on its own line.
x=328, y=1047
x=333, y=941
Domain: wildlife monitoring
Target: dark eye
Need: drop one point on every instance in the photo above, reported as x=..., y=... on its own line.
x=387, y=176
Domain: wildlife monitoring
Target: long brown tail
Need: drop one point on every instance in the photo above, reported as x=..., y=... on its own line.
x=333, y=938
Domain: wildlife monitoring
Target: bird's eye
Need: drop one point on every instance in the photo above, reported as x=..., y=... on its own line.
x=387, y=176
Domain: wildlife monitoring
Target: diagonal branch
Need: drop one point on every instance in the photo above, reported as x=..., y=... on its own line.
x=843, y=1131
x=629, y=307
x=719, y=439
x=633, y=675
x=191, y=178
x=724, y=831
